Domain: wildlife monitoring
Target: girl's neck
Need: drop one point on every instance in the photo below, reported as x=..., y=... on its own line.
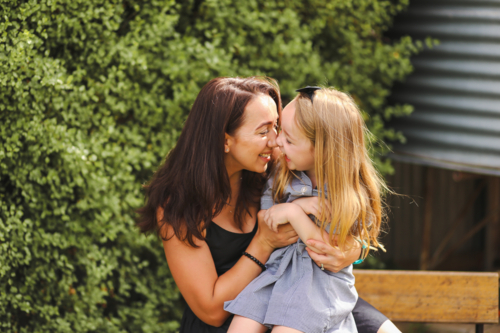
x=312, y=176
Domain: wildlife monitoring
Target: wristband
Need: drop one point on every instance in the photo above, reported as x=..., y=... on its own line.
x=255, y=260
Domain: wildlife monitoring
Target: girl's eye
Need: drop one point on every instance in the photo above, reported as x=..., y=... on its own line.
x=288, y=141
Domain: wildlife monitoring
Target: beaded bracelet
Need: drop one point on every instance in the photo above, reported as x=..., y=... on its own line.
x=251, y=257
x=362, y=256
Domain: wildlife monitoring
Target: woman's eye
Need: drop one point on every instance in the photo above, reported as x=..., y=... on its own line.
x=265, y=132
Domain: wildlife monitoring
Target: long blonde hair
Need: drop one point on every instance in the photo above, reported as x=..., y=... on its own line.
x=335, y=126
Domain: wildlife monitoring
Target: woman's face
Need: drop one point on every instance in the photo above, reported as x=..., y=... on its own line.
x=297, y=148
x=251, y=145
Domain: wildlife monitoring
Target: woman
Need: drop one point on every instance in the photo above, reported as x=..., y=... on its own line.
x=203, y=202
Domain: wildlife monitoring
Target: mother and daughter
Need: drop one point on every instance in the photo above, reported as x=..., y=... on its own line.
x=287, y=268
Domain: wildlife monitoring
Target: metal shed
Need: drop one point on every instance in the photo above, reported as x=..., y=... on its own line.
x=455, y=87
x=451, y=161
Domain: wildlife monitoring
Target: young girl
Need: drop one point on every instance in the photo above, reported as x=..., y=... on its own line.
x=325, y=158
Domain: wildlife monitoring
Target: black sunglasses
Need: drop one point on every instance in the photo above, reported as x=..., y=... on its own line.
x=309, y=91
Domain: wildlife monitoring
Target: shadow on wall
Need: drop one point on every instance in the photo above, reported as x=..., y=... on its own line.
x=445, y=220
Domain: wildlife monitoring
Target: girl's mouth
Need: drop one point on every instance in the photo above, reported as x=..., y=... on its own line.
x=286, y=158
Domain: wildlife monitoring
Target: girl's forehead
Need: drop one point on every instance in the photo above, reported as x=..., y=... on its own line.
x=290, y=126
x=290, y=106
x=288, y=115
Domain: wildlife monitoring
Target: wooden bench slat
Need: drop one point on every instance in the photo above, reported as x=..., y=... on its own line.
x=422, y=296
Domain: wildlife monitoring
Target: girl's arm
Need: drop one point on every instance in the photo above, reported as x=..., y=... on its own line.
x=293, y=213
x=194, y=271
x=320, y=251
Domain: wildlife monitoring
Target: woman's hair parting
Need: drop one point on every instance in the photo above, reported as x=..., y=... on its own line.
x=352, y=202
x=192, y=186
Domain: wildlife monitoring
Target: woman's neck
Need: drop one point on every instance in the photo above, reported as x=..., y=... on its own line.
x=235, y=183
x=225, y=218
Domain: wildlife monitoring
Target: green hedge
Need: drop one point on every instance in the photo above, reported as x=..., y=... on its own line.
x=93, y=95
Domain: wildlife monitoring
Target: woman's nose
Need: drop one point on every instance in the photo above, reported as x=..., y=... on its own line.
x=272, y=139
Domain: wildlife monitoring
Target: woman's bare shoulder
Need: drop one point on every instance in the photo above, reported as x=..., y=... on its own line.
x=167, y=231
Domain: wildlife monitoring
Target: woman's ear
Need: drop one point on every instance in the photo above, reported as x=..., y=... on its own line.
x=228, y=142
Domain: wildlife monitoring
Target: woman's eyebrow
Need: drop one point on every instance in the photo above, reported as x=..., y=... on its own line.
x=265, y=123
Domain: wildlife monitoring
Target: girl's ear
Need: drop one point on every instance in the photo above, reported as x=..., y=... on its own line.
x=228, y=142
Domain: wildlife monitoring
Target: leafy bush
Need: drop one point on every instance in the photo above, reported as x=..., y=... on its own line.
x=93, y=95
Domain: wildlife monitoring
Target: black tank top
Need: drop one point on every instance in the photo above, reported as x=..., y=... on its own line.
x=226, y=248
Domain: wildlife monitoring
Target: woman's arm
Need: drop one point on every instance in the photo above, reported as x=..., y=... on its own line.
x=333, y=259
x=194, y=271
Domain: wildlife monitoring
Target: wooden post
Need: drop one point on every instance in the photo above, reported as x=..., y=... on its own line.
x=427, y=223
x=493, y=227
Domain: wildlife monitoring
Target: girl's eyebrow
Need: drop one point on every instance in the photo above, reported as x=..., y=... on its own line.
x=288, y=135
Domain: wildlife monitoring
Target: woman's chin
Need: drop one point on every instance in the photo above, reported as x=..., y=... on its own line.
x=259, y=168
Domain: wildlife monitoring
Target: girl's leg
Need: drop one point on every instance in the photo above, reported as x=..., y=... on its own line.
x=388, y=327
x=284, y=329
x=241, y=324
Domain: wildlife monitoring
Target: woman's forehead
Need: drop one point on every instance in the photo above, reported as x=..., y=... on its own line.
x=261, y=109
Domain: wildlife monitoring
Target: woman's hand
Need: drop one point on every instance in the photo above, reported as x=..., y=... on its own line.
x=333, y=259
x=278, y=215
x=284, y=236
x=310, y=205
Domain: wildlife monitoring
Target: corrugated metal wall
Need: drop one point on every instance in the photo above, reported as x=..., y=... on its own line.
x=455, y=87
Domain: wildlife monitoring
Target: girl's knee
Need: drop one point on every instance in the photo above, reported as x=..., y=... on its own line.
x=241, y=324
x=284, y=329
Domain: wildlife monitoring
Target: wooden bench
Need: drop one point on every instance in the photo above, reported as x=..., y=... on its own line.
x=432, y=297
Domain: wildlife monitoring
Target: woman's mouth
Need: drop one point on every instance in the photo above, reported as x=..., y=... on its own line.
x=266, y=157
x=286, y=158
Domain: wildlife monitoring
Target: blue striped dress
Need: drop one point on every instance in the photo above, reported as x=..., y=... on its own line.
x=293, y=291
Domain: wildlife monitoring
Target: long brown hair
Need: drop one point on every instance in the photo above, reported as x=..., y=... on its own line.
x=192, y=186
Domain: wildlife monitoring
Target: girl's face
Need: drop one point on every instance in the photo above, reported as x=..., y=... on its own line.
x=252, y=144
x=298, y=150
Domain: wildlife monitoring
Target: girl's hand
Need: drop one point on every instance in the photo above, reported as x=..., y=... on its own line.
x=278, y=215
x=333, y=259
x=285, y=236
x=310, y=205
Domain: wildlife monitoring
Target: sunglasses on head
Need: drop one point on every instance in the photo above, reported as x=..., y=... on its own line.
x=309, y=91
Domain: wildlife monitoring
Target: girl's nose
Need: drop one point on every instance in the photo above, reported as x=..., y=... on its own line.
x=279, y=139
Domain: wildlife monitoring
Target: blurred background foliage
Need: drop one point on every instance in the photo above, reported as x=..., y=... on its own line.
x=94, y=94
